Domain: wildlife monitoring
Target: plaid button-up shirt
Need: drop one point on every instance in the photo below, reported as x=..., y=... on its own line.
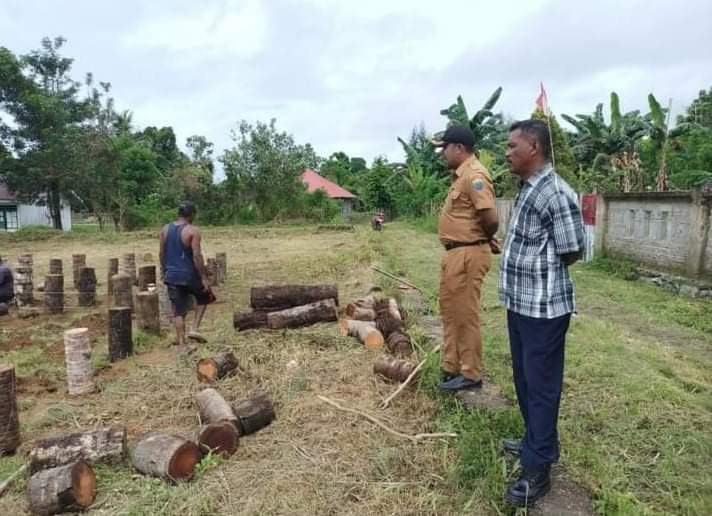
x=545, y=224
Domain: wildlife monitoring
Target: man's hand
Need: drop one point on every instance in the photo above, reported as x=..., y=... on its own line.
x=206, y=284
x=495, y=245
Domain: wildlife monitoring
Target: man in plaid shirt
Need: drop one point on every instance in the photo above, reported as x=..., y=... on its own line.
x=545, y=236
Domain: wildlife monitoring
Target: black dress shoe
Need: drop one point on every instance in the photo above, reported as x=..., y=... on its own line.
x=446, y=376
x=530, y=487
x=512, y=446
x=460, y=383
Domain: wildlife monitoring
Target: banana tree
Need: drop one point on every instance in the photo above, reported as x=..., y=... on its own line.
x=484, y=124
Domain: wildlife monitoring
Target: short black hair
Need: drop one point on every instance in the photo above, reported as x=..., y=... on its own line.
x=537, y=130
x=186, y=209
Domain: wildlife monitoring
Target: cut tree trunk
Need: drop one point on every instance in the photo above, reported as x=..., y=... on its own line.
x=393, y=369
x=54, y=293
x=365, y=331
x=128, y=266
x=71, y=487
x=148, y=312
x=213, y=408
x=217, y=367
x=78, y=261
x=23, y=285
x=165, y=307
x=221, y=259
x=399, y=344
x=120, y=334
x=320, y=311
x=212, y=268
x=103, y=445
x=388, y=305
x=55, y=266
x=279, y=297
x=9, y=421
x=387, y=324
x=122, y=290
x=168, y=457
x=113, y=271
x=254, y=414
x=221, y=438
x=77, y=355
x=146, y=277
x=249, y=320
x=87, y=287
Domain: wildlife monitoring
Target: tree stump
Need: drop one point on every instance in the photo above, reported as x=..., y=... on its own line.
x=113, y=271
x=148, y=312
x=77, y=355
x=9, y=421
x=217, y=367
x=221, y=438
x=393, y=369
x=389, y=306
x=399, y=344
x=364, y=331
x=254, y=414
x=23, y=285
x=103, y=445
x=165, y=306
x=320, y=311
x=128, y=266
x=123, y=290
x=120, y=335
x=213, y=408
x=71, y=487
x=55, y=266
x=279, y=297
x=147, y=258
x=146, y=276
x=168, y=457
x=54, y=293
x=212, y=268
x=221, y=259
x=78, y=261
x=249, y=320
x=87, y=287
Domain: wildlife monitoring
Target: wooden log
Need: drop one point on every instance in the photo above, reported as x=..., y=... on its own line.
x=77, y=355
x=279, y=297
x=25, y=259
x=123, y=290
x=254, y=414
x=249, y=320
x=221, y=438
x=9, y=420
x=106, y=445
x=87, y=286
x=120, y=334
x=359, y=313
x=387, y=324
x=147, y=258
x=221, y=259
x=212, y=268
x=128, y=266
x=217, y=367
x=320, y=311
x=78, y=261
x=168, y=457
x=213, y=408
x=23, y=285
x=71, y=487
x=146, y=276
x=55, y=266
x=393, y=369
x=113, y=271
x=364, y=331
x=54, y=293
x=399, y=344
x=165, y=306
x=388, y=305
x=148, y=312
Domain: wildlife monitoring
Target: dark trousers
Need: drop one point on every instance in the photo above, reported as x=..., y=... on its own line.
x=538, y=365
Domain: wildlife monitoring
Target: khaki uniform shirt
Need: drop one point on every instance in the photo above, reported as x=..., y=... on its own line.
x=471, y=191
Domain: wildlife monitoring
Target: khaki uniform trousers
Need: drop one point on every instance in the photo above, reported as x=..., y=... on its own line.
x=462, y=271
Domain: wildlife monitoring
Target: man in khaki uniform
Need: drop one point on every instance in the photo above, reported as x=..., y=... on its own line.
x=468, y=222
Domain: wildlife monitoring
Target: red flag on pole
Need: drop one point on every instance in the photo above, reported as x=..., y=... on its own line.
x=542, y=102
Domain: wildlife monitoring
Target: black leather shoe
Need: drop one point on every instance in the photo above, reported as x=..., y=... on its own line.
x=512, y=446
x=530, y=487
x=446, y=376
x=460, y=383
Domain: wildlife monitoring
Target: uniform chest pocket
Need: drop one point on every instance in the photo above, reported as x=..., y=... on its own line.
x=459, y=199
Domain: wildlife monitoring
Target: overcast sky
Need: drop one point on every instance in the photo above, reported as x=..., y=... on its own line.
x=353, y=76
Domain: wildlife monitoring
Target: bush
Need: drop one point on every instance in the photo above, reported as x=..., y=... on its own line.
x=317, y=206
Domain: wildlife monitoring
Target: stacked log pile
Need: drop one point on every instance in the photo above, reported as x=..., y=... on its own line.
x=378, y=324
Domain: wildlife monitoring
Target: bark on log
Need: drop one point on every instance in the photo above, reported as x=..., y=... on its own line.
x=279, y=297
x=217, y=367
x=78, y=261
x=128, y=266
x=55, y=266
x=213, y=408
x=249, y=320
x=103, y=445
x=148, y=312
x=389, y=306
x=212, y=268
x=221, y=259
x=393, y=369
x=120, y=334
x=54, y=293
x=387, y=324
x=9, y=421
x=87, y=286
x=364, y=331
x=71, y=487
x=113, y=271
x=254, y=414
x=123, y=291
x=399, y=344
x=221, y=438
x=146, y=276
x=165, y=307
x=77, y=355
x=168, y=457
x=320, y=311
x=23, y=285
x=361, y=309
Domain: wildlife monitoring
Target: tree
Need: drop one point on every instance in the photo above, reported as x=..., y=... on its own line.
x=699, y=113
x=487, y=127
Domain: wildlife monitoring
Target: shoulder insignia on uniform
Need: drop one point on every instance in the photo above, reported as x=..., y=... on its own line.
x=478, y=184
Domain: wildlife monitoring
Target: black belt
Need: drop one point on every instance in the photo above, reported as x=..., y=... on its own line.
x=453, y=245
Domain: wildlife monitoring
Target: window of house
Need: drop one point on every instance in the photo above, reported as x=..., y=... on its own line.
x=8, y=218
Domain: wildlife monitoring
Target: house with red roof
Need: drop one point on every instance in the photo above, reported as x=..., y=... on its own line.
x=314, y=182
x=15, y=214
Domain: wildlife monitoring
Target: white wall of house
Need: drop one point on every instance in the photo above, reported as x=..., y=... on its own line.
x=28, y=214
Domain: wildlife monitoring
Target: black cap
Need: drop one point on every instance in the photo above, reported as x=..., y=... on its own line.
x=455, y=133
